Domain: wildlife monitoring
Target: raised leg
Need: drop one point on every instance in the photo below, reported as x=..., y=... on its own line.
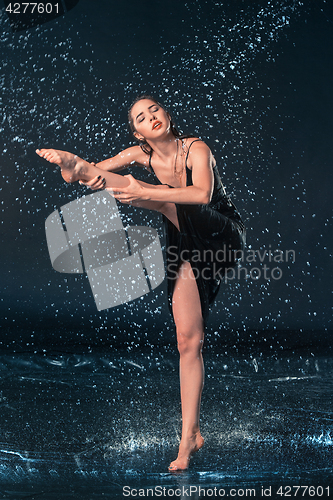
x=166, y=208
x=190, y=336
x=74, y=168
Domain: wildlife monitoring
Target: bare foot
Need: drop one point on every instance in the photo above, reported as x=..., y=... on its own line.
x=66, y=161
x=186, y=451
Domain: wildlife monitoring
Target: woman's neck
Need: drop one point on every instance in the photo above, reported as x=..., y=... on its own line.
x=165, y=148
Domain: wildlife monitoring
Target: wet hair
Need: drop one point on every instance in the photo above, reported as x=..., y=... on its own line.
x=142, y=143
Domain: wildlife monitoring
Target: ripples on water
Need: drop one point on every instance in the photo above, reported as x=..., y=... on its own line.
x=110, y=420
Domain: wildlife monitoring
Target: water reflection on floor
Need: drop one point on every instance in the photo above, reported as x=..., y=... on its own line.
x=88, y=425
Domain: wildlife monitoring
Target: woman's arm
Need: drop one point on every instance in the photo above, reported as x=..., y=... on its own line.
x=201, y=160
x=124, y=159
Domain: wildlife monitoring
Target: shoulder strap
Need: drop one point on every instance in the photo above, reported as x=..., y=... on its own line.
x=188, y=151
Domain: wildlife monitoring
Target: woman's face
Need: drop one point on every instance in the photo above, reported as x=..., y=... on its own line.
x=150, y=120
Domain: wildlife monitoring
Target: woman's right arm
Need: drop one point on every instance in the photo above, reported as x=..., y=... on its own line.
x=122, y=160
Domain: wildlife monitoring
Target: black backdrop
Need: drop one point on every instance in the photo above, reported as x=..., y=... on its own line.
x=252, y=78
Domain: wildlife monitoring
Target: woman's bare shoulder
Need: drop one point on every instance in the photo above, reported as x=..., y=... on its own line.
x=195, y=143
x=198, y=150
x=134, y=155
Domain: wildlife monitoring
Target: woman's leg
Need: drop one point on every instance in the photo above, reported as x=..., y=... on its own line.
x=190, y=335
x=74, y=168
x=164, y=207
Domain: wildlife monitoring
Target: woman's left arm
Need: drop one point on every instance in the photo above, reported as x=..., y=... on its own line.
x=201, y=160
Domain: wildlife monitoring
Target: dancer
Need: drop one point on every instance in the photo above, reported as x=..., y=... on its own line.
x=204, y=231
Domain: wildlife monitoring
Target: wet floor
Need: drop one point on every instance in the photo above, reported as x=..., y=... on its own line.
x=106, y=425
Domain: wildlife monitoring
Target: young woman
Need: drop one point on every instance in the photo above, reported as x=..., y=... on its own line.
x=203, y=231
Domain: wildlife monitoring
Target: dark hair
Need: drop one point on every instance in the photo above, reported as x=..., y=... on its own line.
x=142, y=143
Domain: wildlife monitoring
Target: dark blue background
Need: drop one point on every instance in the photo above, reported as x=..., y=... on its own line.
x=252, y=78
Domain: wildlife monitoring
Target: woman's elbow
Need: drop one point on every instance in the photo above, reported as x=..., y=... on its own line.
x=206, y=197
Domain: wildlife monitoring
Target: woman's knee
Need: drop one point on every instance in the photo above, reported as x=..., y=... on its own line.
x=189, y=343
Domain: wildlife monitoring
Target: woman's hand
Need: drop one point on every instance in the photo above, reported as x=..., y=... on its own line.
x=133, y=192
x=97, y=182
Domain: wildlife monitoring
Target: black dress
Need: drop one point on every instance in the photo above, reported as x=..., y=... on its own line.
x=209, y=238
